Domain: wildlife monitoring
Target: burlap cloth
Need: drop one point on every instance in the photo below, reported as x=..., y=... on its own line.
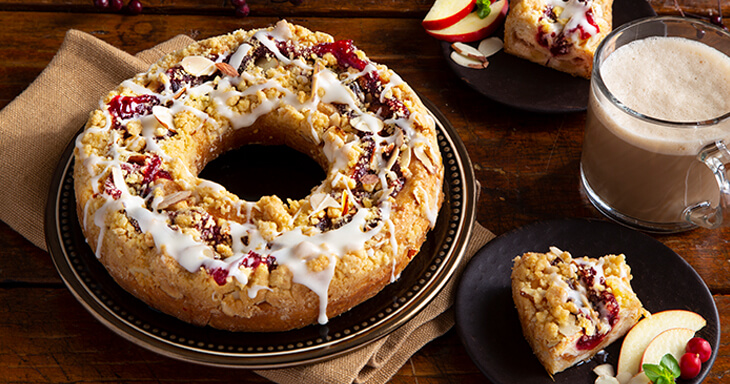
x=37, y=125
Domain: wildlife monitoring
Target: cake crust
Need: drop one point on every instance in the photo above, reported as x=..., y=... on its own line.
x=570, y=309
x=192, y=249
x=562, y=35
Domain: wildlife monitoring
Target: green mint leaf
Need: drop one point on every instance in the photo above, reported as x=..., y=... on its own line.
x=664, y=380
x=671, y=364
x=653, y=372
x=483, y=9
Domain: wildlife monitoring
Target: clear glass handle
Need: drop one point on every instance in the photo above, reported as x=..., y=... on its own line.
x=716, y=156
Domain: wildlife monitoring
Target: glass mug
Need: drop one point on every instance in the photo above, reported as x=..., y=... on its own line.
x=658, y=174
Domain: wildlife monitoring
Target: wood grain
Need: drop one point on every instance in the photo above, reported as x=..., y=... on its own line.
x=527, y=165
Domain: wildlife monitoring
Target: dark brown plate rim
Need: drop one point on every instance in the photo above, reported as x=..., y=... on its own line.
x=398, y=303
x=662, y=280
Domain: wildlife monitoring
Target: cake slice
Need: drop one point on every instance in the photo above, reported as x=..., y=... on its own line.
x=560, y=34
x=569, y=308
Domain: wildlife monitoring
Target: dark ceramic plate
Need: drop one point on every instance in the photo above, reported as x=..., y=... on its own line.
x=396, y=304
x=525, y=85
x=487, y=320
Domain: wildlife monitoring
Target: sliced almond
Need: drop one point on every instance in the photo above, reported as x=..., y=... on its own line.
x=137, y=158
x=421, y=155
x=173, y=198
x=320, y=201
x=369, y=180
x=227, y=69
x=405, y=158
x=467, y=62
x=345, y=203
x=490, y=46
x=395, y=155
x=604, y=370
x=163, y=116
x=469, y=51
x=606, y=380
x=179, y=93
x=198, y=65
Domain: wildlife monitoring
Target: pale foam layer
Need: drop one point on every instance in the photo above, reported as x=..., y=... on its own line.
x=672, y=79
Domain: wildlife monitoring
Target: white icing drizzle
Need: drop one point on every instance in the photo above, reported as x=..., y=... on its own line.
x=572, y=17
x=292, y=248
x=237, y=57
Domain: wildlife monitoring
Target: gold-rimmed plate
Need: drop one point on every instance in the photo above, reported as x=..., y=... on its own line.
x=399, y=302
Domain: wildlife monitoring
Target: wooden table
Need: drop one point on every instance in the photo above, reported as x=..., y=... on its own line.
x=527, y=165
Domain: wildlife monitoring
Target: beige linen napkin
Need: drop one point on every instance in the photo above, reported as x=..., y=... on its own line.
x=37, y=125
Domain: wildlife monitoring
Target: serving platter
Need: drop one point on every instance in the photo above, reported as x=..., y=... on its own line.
x=487, y=320
x=524, y=85
x=132, y=319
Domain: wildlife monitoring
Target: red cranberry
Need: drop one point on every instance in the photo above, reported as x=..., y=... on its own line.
x=116, y=5
x=701, y=347
x=220, y=275
x=589, y=342
x=343, y=51
x=689, y=365
x=101, y=4
x=253, y=260
x=111, y=189
x=134, y=7
x=243, y=10
x=125, y=107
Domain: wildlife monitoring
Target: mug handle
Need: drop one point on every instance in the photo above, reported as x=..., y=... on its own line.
x=715, y=156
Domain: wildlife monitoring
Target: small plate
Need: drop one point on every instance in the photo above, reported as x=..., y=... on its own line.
x=487, y=320
x=525, y=85
x=397, y=303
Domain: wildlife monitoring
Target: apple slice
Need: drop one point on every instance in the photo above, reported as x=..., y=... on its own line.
x=445, y=13
x=472, y=28
x=670, y=341
x=640, y=378
x=645, y=331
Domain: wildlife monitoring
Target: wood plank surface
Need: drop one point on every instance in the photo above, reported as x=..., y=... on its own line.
x=527, y=165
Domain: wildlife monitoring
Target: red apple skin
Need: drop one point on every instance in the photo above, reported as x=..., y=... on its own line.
x=470, y=36
x=436, y=24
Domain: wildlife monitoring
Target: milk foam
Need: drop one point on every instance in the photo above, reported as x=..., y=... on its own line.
x=670, y=78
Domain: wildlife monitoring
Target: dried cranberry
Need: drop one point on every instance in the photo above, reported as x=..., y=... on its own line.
x=124, y=107
x=550, y=14
x=396, y=108
x=589, y=342
x=587, y=274
x=363, y=163
x=210, y=231
x=560, y=46
x=179, y=78
x=399, y=182
x=608, y=306
x=151, y=171
x=220, y=275
x=324, y=224
x=111, y=189
x=589, y=18
x=253, y=260
x=343, y=51
x=371, y=83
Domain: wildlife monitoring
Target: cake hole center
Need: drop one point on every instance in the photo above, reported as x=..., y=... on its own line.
x=254, y=170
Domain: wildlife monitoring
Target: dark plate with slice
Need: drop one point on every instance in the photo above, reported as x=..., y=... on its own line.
x=486, y=317
x=525, y=85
